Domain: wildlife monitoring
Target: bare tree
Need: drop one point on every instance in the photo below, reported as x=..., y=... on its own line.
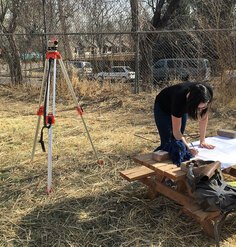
x=31, y=24
x=99, y=16
x=218, y=44
x=9, y=11
x=63, y=16
x=162, y=11
x=51, y=16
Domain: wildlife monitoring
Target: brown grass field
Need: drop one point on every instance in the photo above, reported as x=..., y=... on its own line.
x=91, y=205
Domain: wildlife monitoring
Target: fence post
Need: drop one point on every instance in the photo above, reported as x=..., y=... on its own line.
x=136, y=84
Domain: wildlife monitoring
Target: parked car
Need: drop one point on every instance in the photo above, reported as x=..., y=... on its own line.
x=117, y=73
x=181, y=68
x=84, y=69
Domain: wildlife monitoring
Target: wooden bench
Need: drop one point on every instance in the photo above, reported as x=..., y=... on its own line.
x=144, y=175
x=137, y=173
x=155, y=174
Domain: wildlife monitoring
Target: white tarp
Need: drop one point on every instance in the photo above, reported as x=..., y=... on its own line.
x=224, y=151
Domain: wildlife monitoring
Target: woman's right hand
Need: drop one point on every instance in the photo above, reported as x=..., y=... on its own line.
x=193, y=151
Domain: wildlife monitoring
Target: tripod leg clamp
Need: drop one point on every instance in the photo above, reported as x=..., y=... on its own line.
x=40, y=111
x=79, y=110
x=50, y=119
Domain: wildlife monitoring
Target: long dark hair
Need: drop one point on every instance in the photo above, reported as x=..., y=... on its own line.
x=199, y=93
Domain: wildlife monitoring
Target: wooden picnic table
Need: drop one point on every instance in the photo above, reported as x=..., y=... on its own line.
x=154, y=175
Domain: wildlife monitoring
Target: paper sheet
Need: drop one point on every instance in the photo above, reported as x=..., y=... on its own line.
x=224, y=151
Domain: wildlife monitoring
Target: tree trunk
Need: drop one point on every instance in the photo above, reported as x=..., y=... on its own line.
x=146, y=48
x=64, y=28
x=11, y=52
x=13, y=59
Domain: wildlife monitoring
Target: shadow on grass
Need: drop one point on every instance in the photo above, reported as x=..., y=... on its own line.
x=117, y=218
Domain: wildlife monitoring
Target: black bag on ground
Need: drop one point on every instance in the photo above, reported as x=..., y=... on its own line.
x=212, y=193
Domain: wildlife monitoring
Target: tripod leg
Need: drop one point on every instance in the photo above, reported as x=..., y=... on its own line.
x=76, y=103
x=63, y=68
x=39, y=117
x=50, y=130
x=49, y=182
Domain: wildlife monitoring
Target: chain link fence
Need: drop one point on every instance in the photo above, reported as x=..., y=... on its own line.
x=142, y=59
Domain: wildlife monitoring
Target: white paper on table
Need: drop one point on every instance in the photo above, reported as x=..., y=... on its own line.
x=224, y=151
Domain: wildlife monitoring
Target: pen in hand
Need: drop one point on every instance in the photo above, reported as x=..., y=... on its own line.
x=193, y=150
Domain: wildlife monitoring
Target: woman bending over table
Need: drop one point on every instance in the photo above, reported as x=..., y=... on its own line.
x=174, y=104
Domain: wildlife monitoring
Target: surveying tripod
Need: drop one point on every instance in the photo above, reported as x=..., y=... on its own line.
x=52, y=55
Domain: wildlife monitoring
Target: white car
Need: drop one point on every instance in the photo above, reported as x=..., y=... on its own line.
x=117, y=73
x=83, y=69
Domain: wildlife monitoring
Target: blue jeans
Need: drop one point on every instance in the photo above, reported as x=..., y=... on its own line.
x=164, y=125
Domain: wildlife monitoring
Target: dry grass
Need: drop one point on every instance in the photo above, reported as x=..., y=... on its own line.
x=91, y=205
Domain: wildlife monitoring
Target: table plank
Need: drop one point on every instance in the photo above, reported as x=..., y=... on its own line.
x=137, y=173
x=146, y=159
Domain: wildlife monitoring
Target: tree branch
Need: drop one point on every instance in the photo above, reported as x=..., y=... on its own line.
x=157, y=14
x=174, y=4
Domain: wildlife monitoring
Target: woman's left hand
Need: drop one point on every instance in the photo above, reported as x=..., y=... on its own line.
x=206, y=145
